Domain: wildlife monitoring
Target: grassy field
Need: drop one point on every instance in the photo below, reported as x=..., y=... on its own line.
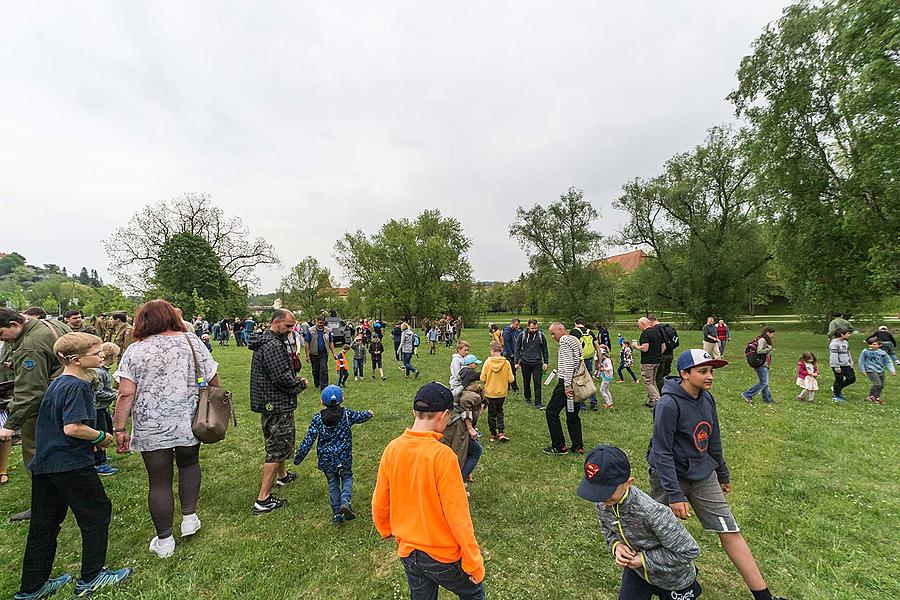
x=815, y=491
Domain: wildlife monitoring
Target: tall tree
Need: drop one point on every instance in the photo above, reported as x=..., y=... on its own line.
x=822, y=90
x=706, y=248
x=134, y=250
x=307, y=287
x=561, y=244
x=411, y=268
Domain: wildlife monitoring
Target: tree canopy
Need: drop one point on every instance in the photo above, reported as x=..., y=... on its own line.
x=307, y=287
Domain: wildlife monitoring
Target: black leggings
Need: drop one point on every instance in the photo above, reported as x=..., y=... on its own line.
x=159, y=473
x=630, y=372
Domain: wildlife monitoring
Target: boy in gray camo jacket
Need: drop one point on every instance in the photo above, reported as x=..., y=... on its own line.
x=655, y=550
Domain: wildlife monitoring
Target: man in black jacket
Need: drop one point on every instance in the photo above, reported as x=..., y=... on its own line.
x=273, y=394
x=532, y=358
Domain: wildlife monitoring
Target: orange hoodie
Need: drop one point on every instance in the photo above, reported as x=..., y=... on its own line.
x=496, y=375
x=420, y=499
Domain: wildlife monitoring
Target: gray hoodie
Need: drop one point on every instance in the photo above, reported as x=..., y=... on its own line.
x=646, y=526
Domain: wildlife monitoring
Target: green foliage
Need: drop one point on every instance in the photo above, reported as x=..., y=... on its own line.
x=106, y=299
x=307, y=288
x=822, y=90
x=410, y=268
x=8, y=262
x=67, y=292
x=707, y=250
x=51, y=305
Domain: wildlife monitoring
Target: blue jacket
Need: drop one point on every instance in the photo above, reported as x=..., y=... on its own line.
x=332, y=428
x=510, y=337
x=686, y=442
x=875, y=361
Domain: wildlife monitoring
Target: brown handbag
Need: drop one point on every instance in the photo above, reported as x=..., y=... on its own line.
x=214, y=409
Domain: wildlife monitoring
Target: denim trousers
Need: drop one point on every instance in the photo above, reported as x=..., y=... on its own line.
x=340, y=488
x=473, y=453
x=426, y=575
x=407, y=357
x=762, y=386
x=358, y=367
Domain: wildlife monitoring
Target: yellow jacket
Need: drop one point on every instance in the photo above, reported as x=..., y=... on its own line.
x=496, y=373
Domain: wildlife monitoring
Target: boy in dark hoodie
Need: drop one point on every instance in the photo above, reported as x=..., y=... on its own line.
x=687, y=466
x=331, y=426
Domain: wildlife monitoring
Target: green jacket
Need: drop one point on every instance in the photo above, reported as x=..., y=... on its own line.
x=35, y=366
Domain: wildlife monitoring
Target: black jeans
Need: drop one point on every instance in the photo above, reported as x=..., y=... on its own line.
x=531, y=374
x=425, y=575
x=630, y=372
x=512, y=363
x=843, y=376
x=51, y=497
x=495, y=415
x=104, y=422
x=318, y=363
x=665, y=365
x=635, y=588
x=573, y=422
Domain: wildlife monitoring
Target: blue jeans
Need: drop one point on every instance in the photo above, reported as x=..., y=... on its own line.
x=407, y=356
x=473, y=453
x=340, y=488
x=762, y=386
x=425, y=575
x=358, y=367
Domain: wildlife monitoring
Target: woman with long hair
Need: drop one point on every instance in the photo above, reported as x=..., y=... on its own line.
x=763, y=346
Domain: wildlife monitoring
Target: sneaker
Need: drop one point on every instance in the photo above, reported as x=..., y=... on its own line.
x=50, y=587
x=493, y=438
x=416, y=376
x=838, y=399
x=268, y=505
x=190, y=525
x=346, y=511
x=503, y=437
x=578, y=450
x=540, y=406
x=556, y=451
x=162, y=548
x=384, y=378
x=607, y=405
x=337, y=519
x=104, y=578
x=106, y=469
x=283, y=481
x=594, y=407
x=747, y=399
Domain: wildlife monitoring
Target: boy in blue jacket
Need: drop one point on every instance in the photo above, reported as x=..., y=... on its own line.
x=331, y=426
x=873, y=361
x=686, y=464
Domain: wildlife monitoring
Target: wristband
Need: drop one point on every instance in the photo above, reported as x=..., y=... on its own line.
x=123, y=430
x=100, y=437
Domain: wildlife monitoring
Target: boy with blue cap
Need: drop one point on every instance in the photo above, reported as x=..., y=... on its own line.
x=656, y=551
x=687, y=465
x=331, y=426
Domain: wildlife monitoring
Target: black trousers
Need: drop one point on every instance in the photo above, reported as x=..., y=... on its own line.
x=512, y=363
x=843, y=376
x=531, y=375
x=496, y=421
x=665, y=366
x=104, y=422
x=635, y=588
x=556, y=405
x=51, y=497
x=318, y=363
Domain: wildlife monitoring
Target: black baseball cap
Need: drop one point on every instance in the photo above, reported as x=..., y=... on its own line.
x=605, y=469
x=433, y=397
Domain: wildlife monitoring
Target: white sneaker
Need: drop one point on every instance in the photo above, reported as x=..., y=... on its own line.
x=190, y=524
x=164, y=548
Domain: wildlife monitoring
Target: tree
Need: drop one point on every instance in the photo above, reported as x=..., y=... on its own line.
x=706, y=248
x=560, y=244
x=307, y=287
x=51, y=305
x=821, y=92
x=411, y=268
x=106, y=299
x=67, y=292
x=8, y=262
x=83, y=277
x=134, y=250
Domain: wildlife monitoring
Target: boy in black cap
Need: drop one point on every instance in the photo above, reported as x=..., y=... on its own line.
x=687, y=466
x=656, y=551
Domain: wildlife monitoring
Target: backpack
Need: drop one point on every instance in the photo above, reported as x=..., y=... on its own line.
x=754, y=359
x=670, y=337
x=587, y=344
x=416, y=340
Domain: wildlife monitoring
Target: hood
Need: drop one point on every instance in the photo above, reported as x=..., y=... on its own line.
x=495, y=364
x=468, y=375
x=257, y=340
x=507, y=328
x=332, y=415
x=672, y=386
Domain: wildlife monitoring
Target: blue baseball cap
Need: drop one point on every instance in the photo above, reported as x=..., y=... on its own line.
x=605, y=469
x=697, y=358
x=332, y=395
x=433, y=397
x=471, y=359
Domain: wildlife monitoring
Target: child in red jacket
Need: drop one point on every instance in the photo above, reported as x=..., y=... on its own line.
x=807, y=376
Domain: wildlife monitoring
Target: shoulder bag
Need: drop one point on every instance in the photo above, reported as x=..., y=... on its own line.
x=214, y=409
x=582, y=383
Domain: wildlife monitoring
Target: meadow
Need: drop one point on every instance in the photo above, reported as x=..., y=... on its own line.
x=816, y=494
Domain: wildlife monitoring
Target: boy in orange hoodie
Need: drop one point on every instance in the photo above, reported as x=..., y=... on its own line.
x=496, y=374
x=420, y=500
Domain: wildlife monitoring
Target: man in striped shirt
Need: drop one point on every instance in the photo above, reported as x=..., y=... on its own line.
x=568, y=359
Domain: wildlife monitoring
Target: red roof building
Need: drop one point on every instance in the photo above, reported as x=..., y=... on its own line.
x=628, y=261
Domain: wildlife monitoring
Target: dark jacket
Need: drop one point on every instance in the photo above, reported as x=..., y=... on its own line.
x=510, y=337
x=331, y=426
x=273, y=384
x=531, y=349
x=603, y=335
x=686, y=442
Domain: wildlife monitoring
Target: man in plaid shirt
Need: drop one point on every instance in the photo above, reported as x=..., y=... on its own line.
x=273, y=394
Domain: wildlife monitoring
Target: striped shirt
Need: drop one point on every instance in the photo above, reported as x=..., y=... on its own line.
x=839, y=354
x=568, y=359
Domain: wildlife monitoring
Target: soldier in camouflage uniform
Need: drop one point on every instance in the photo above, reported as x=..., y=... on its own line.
x=120, y=332
x=76, y=322
x=28, y=345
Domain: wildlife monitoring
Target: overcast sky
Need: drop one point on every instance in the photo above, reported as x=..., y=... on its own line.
x=309, y=119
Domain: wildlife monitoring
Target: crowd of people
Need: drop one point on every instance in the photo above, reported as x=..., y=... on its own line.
x=66, y=374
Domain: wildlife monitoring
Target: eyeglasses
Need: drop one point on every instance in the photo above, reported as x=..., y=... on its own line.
x=98, y=354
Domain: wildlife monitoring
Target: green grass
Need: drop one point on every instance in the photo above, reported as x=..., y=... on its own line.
x=815, y=492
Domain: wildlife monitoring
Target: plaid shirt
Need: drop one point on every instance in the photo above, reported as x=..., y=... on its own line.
x=273, y=384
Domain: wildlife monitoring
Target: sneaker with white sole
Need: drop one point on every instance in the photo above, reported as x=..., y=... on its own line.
x=50, y=587
x=268, y=505
x=190, y=525
x=162, y=548
x=104, y=578
x=288, y=478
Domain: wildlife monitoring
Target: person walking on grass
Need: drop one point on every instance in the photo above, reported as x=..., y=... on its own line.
x=331, y=427
x=723, y=334
x=590, y=348
x=341, y=365
x=841, y=362
x=686, y=462
x=532, y=358
x=510, y=337
x=888, y=343
x=651, y=346
x=604, y=365
x=273, y=394
x=569, y=357
x=456, y=364
x=711, y=338
x=359, y=357
x=626, y=360
x=407, y=347
x=63, y=477
x=319, y=345
x=873, y=361
x=432, y=339
x=376, y=350
x=497, y=375
x=421, y=502
x=807, y=377
x=460, y=433
x=760, y=351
